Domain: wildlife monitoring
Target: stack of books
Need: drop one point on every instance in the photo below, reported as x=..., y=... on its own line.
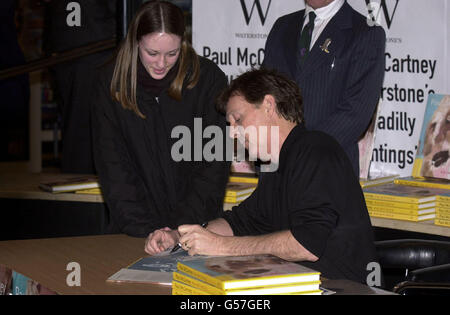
x=237, y=192
x=401, y=202
x=243, y=275
x=429, y=182
x=443, y=210
x=71, y=184
x=443, y=198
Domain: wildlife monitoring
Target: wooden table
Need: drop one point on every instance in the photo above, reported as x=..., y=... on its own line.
x=45, y=261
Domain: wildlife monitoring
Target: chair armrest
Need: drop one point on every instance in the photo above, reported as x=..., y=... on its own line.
x=439, y=274
x=418, y=288
x=412, y=254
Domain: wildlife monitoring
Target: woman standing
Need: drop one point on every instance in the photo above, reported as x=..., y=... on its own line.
x=156, y=83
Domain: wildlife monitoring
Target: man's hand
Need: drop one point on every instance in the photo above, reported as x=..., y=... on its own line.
x=160, y=240
x=199, y=241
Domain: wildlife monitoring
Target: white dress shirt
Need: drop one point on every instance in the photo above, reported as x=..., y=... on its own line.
x=323, y=16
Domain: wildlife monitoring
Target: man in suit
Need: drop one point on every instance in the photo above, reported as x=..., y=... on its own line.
x=337, y=60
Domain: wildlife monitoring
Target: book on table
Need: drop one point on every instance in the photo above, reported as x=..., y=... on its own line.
x=402, y=211
x=235, y=199
x=443, y=210
x=402, y=193
x=92, y=191
x=377, y=179
x=399, y=216
x=249, y=178
x=157, y=269
x=70, y=184
x=184, y=284
x=239, y=189
x=423, y=182
x=402, y=205
x=247, y=272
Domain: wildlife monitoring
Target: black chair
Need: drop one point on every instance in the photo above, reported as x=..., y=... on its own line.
x=412, y=266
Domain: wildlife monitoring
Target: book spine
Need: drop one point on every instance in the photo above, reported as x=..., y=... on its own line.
x=414, y=183
x=391, y=197
x=395, y=204
x=443, y=215
x=417, y=167
x=181, y=289
x=235, y=199
x=400, y=210
x=444, y=199
x=442, y=222
x=248, y=180
x=196, y=284
x=397, y=216
x=443, y=205
x=229, y=193
x=200, y=275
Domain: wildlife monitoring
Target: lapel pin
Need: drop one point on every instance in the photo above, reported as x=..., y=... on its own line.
x=325, y=45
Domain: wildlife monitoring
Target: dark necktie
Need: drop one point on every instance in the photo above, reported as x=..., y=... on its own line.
x=305, y=37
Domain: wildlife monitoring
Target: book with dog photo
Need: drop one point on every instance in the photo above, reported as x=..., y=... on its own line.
x=433, y=154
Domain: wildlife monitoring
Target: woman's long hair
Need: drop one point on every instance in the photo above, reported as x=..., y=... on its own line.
x=153, y=16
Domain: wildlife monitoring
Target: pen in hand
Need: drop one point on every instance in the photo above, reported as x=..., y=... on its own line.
x=178, y=246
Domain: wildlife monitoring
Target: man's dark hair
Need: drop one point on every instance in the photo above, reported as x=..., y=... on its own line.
x=254, y=84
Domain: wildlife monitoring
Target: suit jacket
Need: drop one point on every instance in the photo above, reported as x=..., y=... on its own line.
x=341, y=87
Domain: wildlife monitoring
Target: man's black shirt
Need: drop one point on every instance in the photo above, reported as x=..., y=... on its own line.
x=316, y=195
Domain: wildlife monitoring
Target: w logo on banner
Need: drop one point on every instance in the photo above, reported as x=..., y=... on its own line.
x=261, y=13
x=374, y=9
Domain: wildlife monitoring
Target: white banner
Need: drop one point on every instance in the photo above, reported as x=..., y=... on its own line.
x=232, y=33
x=416, y=65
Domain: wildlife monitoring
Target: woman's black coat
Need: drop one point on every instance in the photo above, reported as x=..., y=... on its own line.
x=144, y=188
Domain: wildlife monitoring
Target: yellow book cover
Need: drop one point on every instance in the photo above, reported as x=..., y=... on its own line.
x=92, y=191
x=243, y=178
x=396, y=204
x=443, y=205
x=180, y=288
x=404, y=217
x=236, y=199
x=377, y=180
x=444, y=198
x=443, y=216
x=402, y=211
x=443, y=210
x=442, y=222
x=239, y=189
x=231, y=273
x=442, y=213
x=278, y=289
x=423, y=182
x=70, y=184
x=402, y=193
